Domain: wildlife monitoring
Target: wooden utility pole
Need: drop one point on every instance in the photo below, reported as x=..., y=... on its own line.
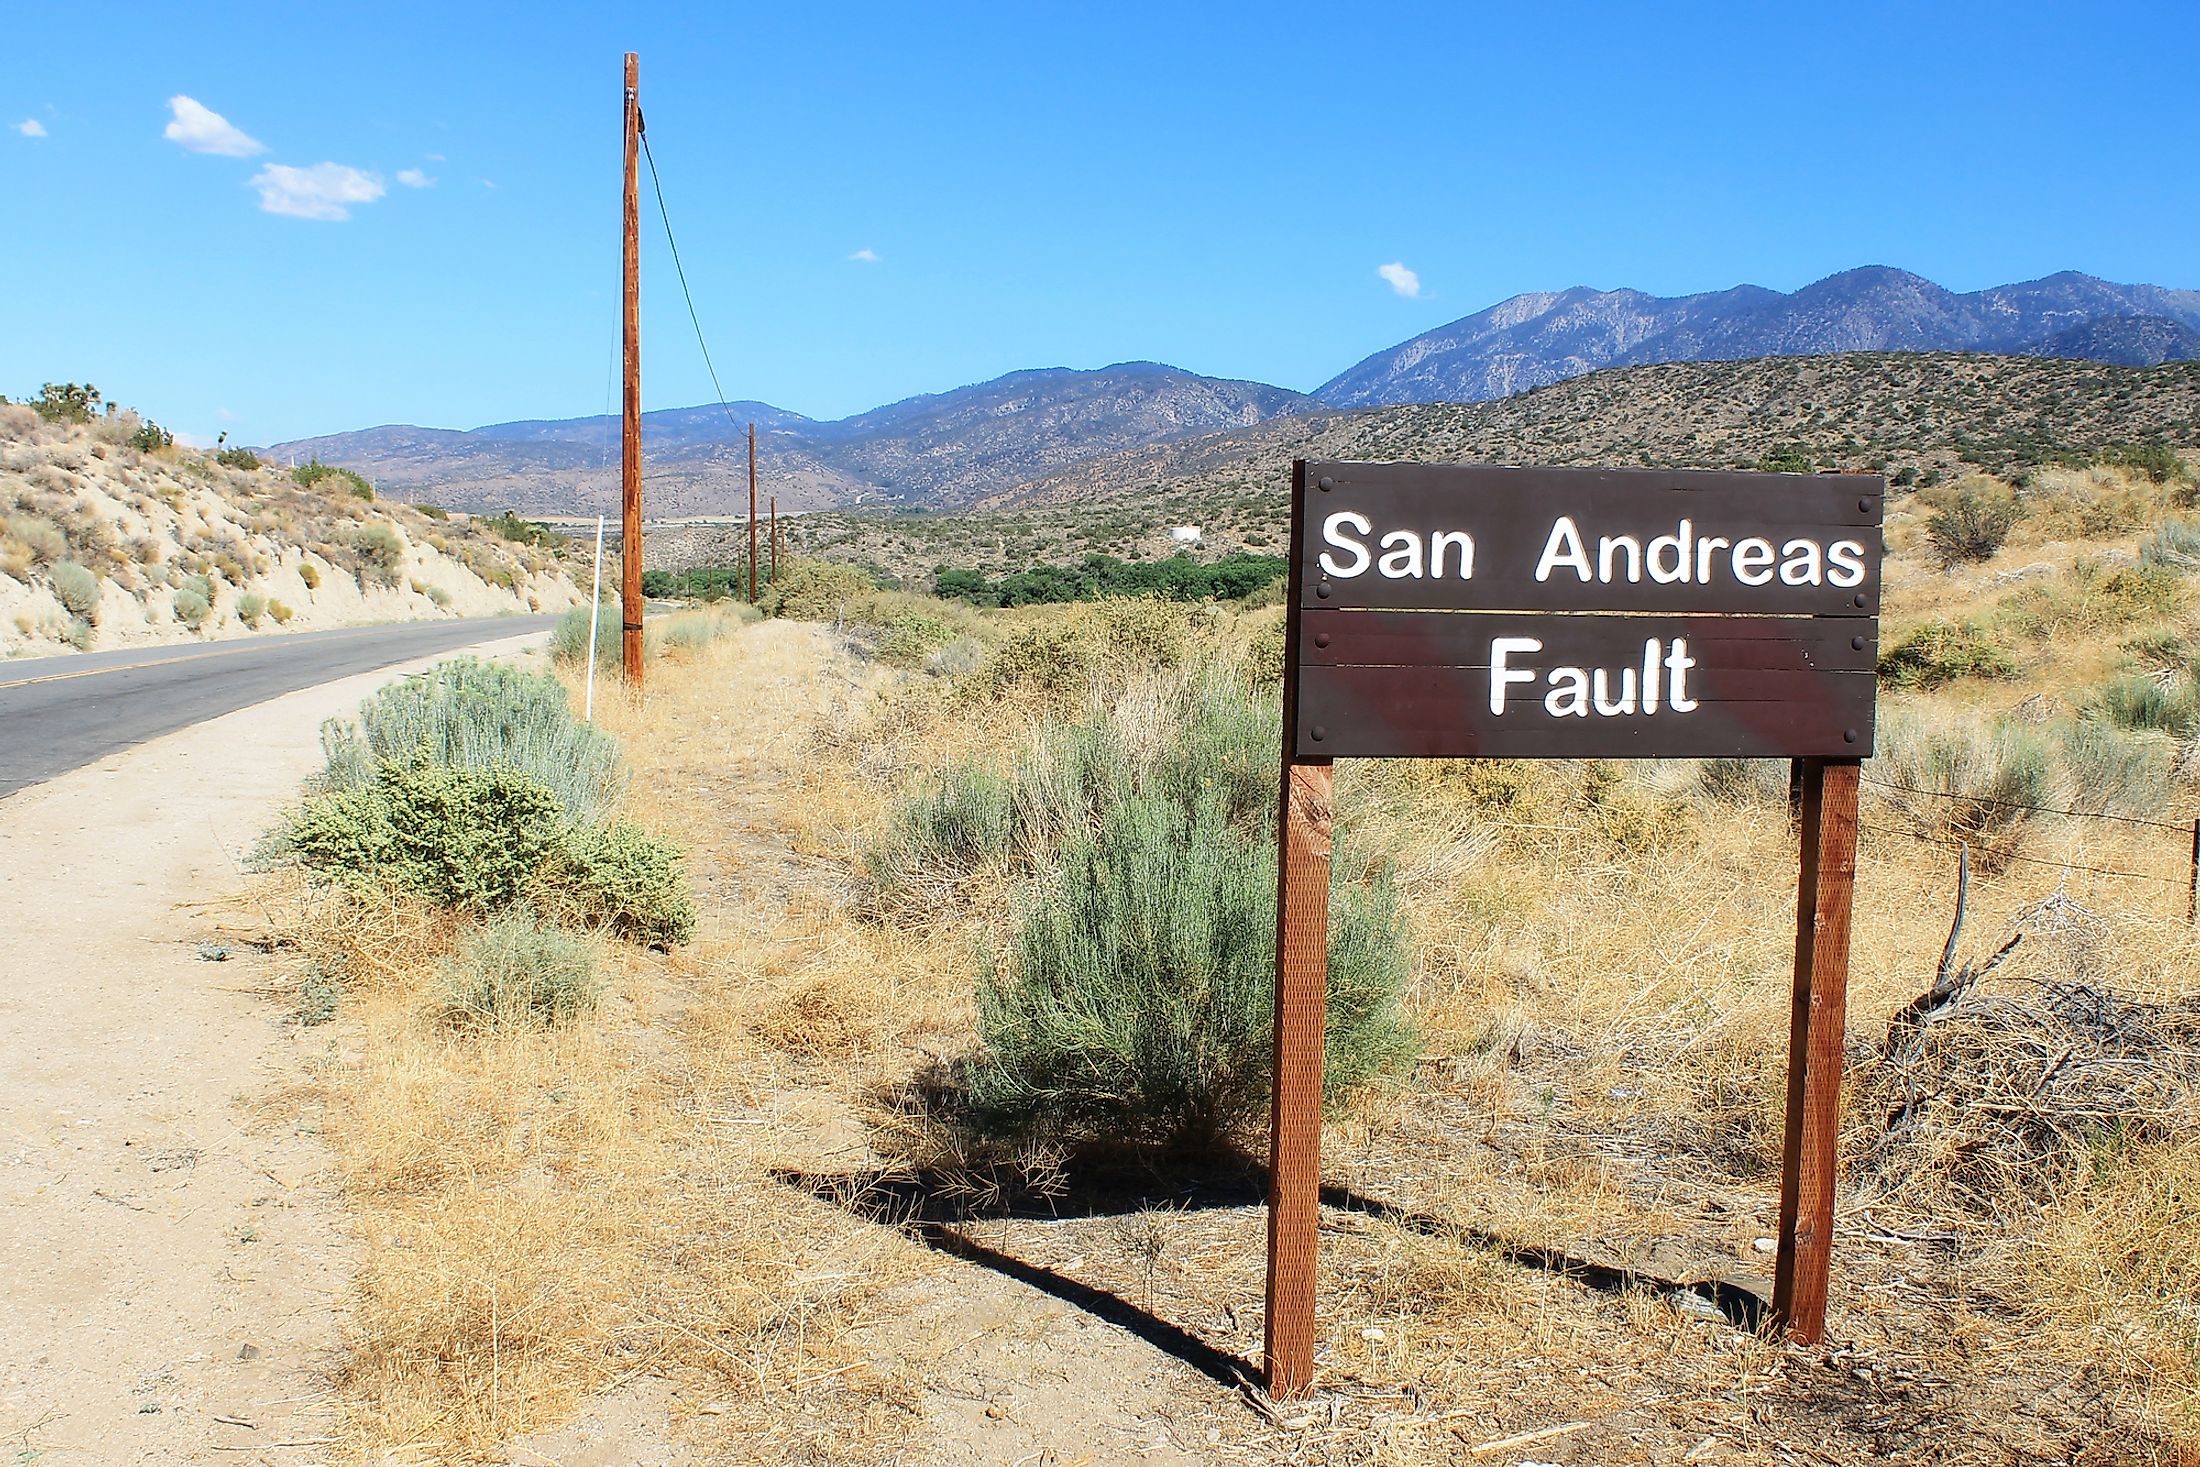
x=630, y=437
x=775, y=540
x=752, y=514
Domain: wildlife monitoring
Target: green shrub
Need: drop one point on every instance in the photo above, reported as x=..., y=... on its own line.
x=193, y=601
x=476, y=715
x=2114, y=772
x=384, y=552
x=315, y=472
x=78, y=634
x=692, y=633
x=623, y=879
x=76, y=588
x=66, y=402
x=956, y=826
x=817, y=590
x=469, y=839
x=238, y=458
x=433, y=511
x=2175, y=544
x=149, y=437
x=309, y=573
x=569, y=638
x=1135, y=1003
x=280, y=612
x=2157, y=460
x=1973, y=524
x=1939, y=652
x=251, y=606
x=509, y=526
x=2167, y=705
x=1966, y=780
x=518, y=971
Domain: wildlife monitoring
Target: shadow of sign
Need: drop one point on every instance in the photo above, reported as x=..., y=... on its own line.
x=928, y=1206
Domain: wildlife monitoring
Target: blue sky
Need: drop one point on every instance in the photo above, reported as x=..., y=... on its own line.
x=1212, y=185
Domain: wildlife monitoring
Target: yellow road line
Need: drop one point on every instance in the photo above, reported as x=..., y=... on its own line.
x=56, y=677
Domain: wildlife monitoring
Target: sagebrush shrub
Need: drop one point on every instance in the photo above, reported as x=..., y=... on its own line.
x=1136, y=1001
x=251, y=606
x=76, y=588
x=517, y=970
x=471, y=714
x=1976, y=781
x=42, y=537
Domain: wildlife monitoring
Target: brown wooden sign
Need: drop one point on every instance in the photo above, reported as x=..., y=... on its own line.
x=1569, y=613
x=1462, y=611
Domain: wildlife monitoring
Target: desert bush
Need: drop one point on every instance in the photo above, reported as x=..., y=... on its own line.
x=280, y=612
x=1093, y=649
x=1135, y=1003
x=149, y=437
x=42, y=537
x=309, y=573
x=2175, y=544
x=509, y=526
x=2111, y=771
x=1744, y=781
x=1940, y=652
x=193, y=601
x=469, y=839
x=817, y=590
x=76, y=588
x=2091, y=597
x=692, y=633
x=315, y=472
x=66, y=402
x=238, y=458
x=384, y=552
x=623, y=879
x=78, y=633
x=251, y=606
x=1965, y=780
x=956, y=826
x=517, y=970
x=2137, y=701
x=2156, y=459
x=476, y=715
x=905, y=635
x=1972, y=524
x=569, y=638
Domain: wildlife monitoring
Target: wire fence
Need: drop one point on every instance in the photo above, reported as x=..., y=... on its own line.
x=2186, y=830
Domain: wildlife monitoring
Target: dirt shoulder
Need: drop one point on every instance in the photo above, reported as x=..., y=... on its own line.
x=173, y=1254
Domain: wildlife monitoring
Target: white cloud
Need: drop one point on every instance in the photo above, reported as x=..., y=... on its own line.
x=202, y=130
x=435, y=157
x=324, y=191
x=1402, y=280
x=414, y=178
x=867, y=256
x=31, y=127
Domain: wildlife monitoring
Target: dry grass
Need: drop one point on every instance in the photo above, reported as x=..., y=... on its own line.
x=1602, y=984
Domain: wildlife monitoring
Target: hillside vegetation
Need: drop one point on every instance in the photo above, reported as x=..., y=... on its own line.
x=112, y=536
x=977, y=982
x=1919, y=418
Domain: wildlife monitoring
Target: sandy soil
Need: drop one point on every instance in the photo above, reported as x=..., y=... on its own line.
x=172, y=1264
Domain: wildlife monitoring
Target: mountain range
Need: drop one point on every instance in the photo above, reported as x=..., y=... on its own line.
x=950, y=449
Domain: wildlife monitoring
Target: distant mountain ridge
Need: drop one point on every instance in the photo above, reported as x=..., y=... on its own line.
x=986, y=441
x=1537, y=339
x=939, y=449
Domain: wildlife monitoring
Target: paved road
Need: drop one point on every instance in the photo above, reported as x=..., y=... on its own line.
x=57, y=713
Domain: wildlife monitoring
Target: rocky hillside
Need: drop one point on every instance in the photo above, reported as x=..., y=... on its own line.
x=1535, y=340
x=1918, y=417
x=106, y=544
x=939, y=450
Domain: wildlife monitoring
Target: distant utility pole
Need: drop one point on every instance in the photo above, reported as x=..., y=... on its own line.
x=775, y=539
x=752, y=514
x=630, y=445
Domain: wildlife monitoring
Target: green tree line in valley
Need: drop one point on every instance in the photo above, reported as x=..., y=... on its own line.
x=1179, y=578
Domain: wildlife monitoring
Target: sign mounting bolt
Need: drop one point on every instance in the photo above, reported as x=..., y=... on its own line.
x=1857, y=643
x=1318, y=733
x=1861, y=601
x=1848, y=736
x=1321, y=639
x=1325, y=483
x=1321, y=589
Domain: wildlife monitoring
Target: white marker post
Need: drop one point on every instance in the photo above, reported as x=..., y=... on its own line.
x=595, y=609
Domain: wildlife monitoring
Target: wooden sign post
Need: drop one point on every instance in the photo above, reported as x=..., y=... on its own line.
x=1474, y=611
